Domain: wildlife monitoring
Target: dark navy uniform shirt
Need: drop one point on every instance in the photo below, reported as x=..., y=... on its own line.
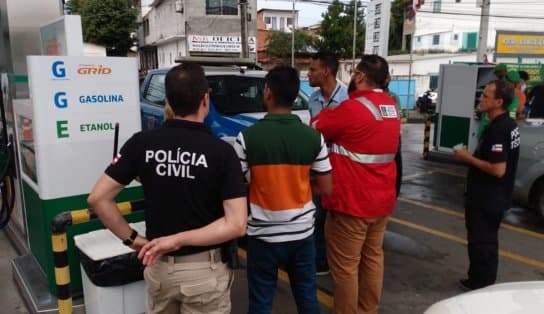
x=499, y=143
x=186, y=174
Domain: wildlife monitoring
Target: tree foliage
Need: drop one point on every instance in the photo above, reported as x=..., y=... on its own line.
x=396, y=24
x=107, y=23
x=336, y=29
x=279, y=44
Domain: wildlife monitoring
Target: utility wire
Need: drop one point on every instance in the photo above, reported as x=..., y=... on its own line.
x=490, y=15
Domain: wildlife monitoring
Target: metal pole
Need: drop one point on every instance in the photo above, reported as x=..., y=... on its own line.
x=243, y=28
x=411, y=61
x=354, y=35
x=484, y=26
x=293, y=38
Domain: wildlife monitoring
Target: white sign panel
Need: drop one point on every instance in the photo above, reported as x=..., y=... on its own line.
x=377, y=27
x=76, y=103
x=62, y=37
x=229, y=44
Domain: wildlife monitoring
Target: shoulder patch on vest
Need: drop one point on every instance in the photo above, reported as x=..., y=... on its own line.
x=388, y=111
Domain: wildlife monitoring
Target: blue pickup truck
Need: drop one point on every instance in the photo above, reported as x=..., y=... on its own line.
x=236, y=99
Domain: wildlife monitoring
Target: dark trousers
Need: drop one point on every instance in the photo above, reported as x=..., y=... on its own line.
x=319, y=234
x=483, y=244
x=263, y=261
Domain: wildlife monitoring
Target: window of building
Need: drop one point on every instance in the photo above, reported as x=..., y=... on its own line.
x=377, y=23
x=433, y=82
x=437, y=6
x=267, y=21
x=146, y=27
x=274, y=23
x=282, y=23
x=378, y=9
x=376, y=37
x=470, y=41
x=418, y=38
x=221, y=7
x=457, y=1
x=290, y=22
x=455, y=37
x=436, y=39
x=376, y=50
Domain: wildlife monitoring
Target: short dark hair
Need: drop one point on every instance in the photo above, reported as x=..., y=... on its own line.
x=328, y=59
x=524, y=75
x=504, y=90
x=375, y=68
x=185, y=86
x=284, y=83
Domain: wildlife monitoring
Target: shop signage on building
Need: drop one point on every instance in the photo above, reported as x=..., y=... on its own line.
x=226, y=44
x=519, y=44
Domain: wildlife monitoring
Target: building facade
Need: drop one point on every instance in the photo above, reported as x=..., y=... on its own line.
x=269, y=20
x=180, y=28
x=453, y=25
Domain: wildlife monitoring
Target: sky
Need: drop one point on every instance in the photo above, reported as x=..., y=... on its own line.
x=309, y=14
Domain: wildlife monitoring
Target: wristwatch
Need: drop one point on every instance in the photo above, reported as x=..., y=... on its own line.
x=130, y=240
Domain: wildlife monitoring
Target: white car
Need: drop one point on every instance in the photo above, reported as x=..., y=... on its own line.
x=525, y=297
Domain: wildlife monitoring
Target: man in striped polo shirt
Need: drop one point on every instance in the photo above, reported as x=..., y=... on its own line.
x=279, y=152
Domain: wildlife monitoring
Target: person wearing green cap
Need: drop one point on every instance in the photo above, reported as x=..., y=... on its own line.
x=500, y=71
x=514, y=78
x=515, y=108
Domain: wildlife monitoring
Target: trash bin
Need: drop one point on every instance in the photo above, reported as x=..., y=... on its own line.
x=112, y=275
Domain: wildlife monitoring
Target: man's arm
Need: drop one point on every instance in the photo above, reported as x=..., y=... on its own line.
x=240, y=150
x=497, y=169
x=321, y=167
x=322, y=184
x=102, y=201
x=330, y=122
x=228, y=227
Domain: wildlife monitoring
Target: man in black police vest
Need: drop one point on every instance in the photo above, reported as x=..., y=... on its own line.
x=490, y=182
x=195, y=201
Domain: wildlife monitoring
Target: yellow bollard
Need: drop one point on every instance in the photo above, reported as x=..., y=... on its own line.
x=59, y=225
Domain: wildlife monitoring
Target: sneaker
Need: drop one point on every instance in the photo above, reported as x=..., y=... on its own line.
x=465, y=285
x=322, y=270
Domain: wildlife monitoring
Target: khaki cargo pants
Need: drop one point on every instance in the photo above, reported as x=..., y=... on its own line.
x=183, y=285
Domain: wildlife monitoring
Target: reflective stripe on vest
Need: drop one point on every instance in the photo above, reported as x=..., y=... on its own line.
x=370, y=106
x=362, y=158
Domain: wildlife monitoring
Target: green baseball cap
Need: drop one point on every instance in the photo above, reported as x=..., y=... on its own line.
x=500, y=67
x=513, y=76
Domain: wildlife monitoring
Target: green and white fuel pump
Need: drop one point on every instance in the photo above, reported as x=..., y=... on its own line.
x=66, y=134
x=460, y=87
x=64, y=140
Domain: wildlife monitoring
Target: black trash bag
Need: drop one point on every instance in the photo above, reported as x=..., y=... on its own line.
x=115, y=271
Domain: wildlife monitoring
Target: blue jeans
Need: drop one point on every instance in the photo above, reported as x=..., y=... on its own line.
x=319, y=234
x=263, y=261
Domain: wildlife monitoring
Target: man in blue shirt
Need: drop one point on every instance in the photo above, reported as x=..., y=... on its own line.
x=322, y=74
x=330, y=93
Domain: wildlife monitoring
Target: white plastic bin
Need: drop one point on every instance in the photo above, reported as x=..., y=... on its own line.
x=129, y=298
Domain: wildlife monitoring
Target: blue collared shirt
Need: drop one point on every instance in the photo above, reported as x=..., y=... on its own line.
x=317, y=102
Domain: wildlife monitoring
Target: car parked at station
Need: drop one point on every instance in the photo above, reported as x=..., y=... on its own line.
x=529, y=184
x=236, y=99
